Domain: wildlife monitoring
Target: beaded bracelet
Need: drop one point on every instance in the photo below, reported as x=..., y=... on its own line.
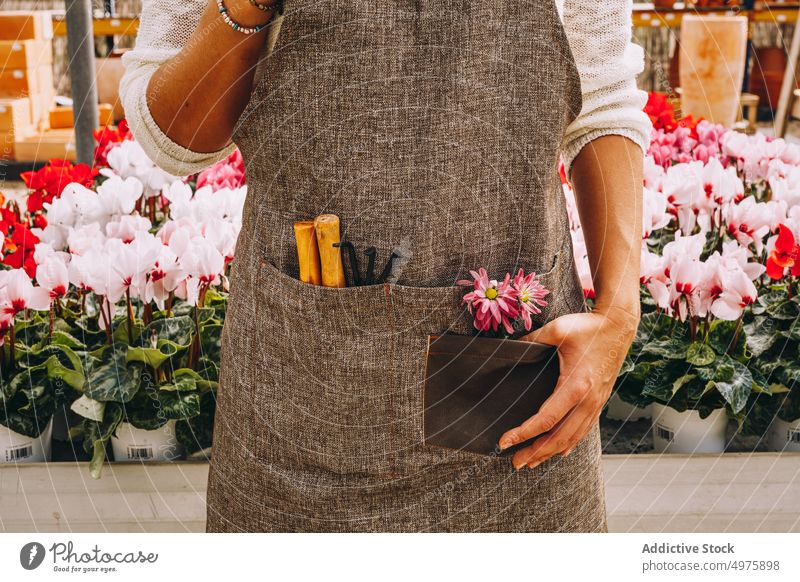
x=276, y=6
x=235, y=25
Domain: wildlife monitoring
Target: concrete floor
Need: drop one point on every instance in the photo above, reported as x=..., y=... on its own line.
x=644, y=493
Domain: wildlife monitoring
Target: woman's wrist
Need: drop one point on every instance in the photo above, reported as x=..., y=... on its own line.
x=625, y=314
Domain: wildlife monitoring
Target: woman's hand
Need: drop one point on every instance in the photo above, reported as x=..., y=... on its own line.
x=607, y=176
x=591, y=350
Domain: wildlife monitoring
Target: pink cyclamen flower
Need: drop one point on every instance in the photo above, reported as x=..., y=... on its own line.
x=20, y=294
x=228, y=173
x=53, y=275
x=493, y=303
x=530, y=293
x=738, y=292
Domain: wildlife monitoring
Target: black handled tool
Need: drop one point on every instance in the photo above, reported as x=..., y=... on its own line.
x=351, y=253
x=370, y=252
x=387, y=270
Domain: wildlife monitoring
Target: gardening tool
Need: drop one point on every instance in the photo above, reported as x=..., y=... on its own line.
x=351, y=253
x=370, y=252
x=387, y=270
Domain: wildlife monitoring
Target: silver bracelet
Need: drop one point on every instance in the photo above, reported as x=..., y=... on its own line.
x=235, y=25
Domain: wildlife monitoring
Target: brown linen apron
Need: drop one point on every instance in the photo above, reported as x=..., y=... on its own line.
x=428, y=124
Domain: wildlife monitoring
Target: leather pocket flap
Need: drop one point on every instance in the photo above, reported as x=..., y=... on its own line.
x=478, y=388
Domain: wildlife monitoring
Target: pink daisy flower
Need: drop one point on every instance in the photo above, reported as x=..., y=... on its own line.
x=493, y=303
x=530, y=293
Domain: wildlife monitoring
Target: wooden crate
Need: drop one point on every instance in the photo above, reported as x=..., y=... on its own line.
x=63, y=117
x=45, y=145
x=26, y=82
x=9, y=138
x=26, y=24
x=25, y=54
x=15, y=113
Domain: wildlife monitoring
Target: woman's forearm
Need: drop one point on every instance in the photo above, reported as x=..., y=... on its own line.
x=607, y=178
x=197, y=96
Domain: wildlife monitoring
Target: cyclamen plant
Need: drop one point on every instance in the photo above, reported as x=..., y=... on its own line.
x=500, y=307
x=718, y=272
x=117, y=294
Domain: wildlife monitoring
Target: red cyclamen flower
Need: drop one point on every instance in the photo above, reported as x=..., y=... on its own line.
x=786, y=254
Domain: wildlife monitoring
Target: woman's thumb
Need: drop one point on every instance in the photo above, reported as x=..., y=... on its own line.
x=547, y=334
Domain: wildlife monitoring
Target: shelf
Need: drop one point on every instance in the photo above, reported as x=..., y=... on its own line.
x=644, y=15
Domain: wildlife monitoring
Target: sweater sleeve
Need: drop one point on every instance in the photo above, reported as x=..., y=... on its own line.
x=608, y=61
x=164, y=27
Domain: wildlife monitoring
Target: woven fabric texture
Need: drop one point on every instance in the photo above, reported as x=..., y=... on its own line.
x=415, y=123
x=599, y=35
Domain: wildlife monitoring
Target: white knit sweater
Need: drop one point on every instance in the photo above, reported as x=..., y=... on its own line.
x=599, y=34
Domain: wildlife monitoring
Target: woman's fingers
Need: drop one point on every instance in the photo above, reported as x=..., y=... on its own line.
x=565, y=436
x=565, y=397
x=550, y=444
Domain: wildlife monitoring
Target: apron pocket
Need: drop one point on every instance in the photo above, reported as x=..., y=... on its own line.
x=338, y=370
x=477, y=388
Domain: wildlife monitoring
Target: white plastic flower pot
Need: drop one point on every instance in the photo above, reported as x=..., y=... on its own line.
x=133, y=444
x=18, y=448
x=784, y=436
x=618, y=409
x=686, y=432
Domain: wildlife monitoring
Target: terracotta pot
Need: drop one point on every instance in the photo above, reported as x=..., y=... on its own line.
x=766, y=78
x=109, y=73
x=712, y=57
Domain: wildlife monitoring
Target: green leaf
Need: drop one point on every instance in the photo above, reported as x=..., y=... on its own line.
x=705, y=373
x=180, y=405
x=680, y=382
x=771, y=366
x=110, y=378
x=120, y=334
x=778, y=388
x=177, y=330
x=669, y=349
x=89, y=332
x=197, y=433
x=790, y=375
x=152, y=357
x=720, y=337
x=88, y=408
x=784, y=310
x=28, y=425
x=183, y=380
x=45, y=379
x=737, y=390
x=97, y=435
x=699, y=354
x=627, y=366
x=761, y=335
x=67, y=340
x=658, y=384
x=144, y=411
